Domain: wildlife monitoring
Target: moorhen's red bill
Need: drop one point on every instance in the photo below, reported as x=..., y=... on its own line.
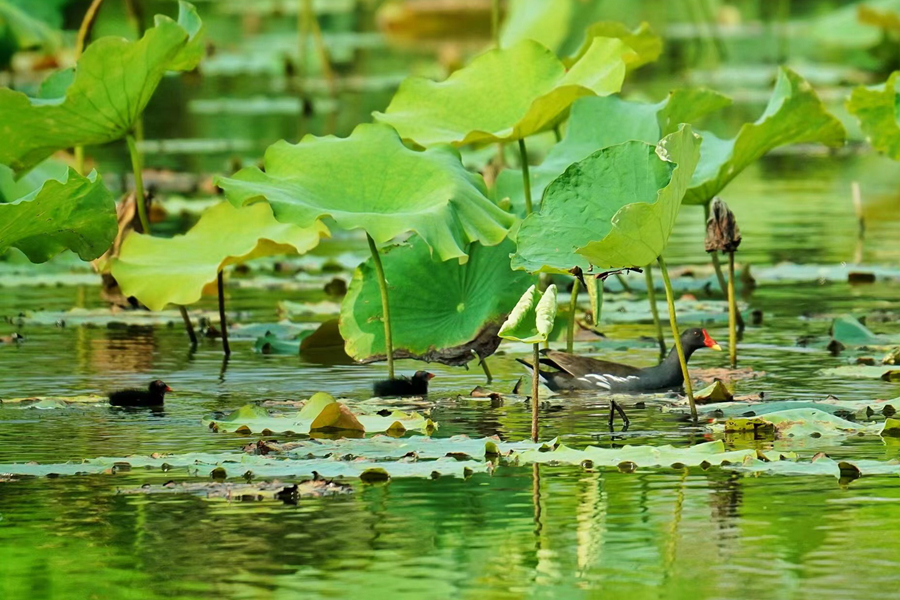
x=573, y=372
x=153, y=396
x=417, y=385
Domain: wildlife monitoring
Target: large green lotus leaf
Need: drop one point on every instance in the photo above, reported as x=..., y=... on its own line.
x=647, y=45
x=531, y=320
x=462, y=304
x=160, y=271
x=371, y=181
x=599, y=122
x=255, y=419
x=77, y=214
x=112, y=83
x=616, y=208
x=876, y=109
x=12, y=188
x=504, y=95
x=794, y=115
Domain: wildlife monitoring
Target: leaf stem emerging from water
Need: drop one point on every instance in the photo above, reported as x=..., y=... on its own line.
x=385, y=305
x=535, y=387
x=732, y=313
x=717, y=265
x=188, y=325
x=651, y=298
x=222, y=322
x=526, y=176
x=673, y=322
x=138, y=183
x=573, y=305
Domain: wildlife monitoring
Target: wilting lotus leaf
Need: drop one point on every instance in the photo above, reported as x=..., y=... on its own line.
x=616, y=208
x=796, y=423
x=470, y=300
x=599, y=122
x=715, y=392
x=104, y=97
x=159, y=271
x=77, y=214
x=531, y=320
x=255, y=419
x=645, y=43
x=371, y=181
x=794, y=115
x=875, y=107
x=504, y=95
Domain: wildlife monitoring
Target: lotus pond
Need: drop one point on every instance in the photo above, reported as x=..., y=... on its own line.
x=272, y=472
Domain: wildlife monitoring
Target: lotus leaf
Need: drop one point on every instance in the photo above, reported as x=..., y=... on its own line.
x=712, y=453
x=504, y=95
x=647, y=45
x=159, y=271
x=254, y=419
x=531, y=320
x=77, y=214
x=383, y=447
x=862, y=372
x=599, y=122
x=616, y=208
x=105, y=96
x=715, y=392
x=875, y=107
x=371, y=181
x=830, y=405
x=797, y=422
x=459, y=302
x=794, y=115
x=242, y=492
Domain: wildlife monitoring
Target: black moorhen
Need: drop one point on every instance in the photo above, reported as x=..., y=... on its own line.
x=417, y=385
x=139, y=398
x=575, y=372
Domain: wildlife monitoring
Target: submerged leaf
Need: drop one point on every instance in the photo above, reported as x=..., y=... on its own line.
x=794, y=115
x=371, y=181
x=464, y=304
x=77, y=214
x=104, y=98
x=160, y=271
x=534, y=85
x=614, y=209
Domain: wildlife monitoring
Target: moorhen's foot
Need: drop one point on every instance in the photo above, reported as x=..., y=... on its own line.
x=417, y=385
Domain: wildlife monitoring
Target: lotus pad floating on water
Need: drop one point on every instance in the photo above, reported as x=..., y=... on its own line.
x=796, y=423
x=160, y=271
x=371, y=181
x=77, y=214
x=504, y=95
x=103, y=97
x=632, y=193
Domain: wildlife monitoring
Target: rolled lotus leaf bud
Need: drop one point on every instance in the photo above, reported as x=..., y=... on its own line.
x=722, y=231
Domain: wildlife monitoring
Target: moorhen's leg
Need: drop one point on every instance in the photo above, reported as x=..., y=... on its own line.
x=623, y=415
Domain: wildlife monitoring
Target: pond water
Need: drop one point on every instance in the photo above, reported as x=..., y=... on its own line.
x=519, y=532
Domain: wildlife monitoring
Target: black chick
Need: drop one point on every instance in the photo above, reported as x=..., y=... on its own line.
x=417, y=385
x=154, y=396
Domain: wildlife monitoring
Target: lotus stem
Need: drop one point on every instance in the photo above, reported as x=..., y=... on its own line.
x=486, y=369
x=526, y=176
x=535, y=388
x=495, y=22
x=312, y=24
x=624, y=282
x=573, y=305
x=732, y=313
x=188, y=325
x=651, y=298
x=135, y=16
x=385, y=305
x=222, y=322
x=673, y=322
x=717, y=266
x=79, y=160
x=138, y=183
x=87, y=24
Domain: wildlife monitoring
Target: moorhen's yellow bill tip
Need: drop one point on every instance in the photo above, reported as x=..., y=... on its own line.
x=710, y=343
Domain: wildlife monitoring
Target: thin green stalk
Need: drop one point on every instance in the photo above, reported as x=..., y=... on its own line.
x=223, y=324
x=624, y=282
x=84, y=32
x=324, y=60
x=188, y=325
x=573, y=304
x=651, y=298
x=79, y=159
x=732, y=313
x=673, y=322
x=526, y=176
x=487, y=370
x=138, y=183
x=495, y=22
x=385, y=305
x=535, y=387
